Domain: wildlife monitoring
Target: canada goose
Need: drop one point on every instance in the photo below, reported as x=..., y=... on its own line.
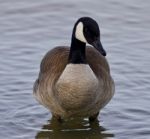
x=76, y=81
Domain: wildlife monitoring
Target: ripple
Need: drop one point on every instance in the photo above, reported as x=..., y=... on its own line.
x=29, y=29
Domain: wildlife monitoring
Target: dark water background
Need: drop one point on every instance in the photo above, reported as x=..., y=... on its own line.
x=29, y=28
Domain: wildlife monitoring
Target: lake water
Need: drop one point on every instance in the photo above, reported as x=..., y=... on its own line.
x=29, y=28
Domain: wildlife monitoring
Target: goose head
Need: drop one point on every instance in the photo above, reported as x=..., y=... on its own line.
x=87, y=31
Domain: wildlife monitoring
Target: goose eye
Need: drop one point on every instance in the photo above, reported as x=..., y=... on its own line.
x=86, y=30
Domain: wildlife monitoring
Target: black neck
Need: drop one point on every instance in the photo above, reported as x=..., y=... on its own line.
x=77, y=52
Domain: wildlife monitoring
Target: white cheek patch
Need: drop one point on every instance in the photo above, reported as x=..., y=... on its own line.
x=79, y=32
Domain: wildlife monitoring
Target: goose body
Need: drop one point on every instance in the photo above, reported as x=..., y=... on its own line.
x=75, y=81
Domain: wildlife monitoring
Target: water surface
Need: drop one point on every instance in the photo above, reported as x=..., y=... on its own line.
x=29, y=28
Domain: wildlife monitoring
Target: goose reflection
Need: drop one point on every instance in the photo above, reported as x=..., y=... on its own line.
x=73, y=129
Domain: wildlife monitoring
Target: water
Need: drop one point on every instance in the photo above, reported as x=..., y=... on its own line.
x=29, y=28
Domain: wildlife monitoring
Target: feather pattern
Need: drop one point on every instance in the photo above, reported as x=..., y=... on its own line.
x=47, y=92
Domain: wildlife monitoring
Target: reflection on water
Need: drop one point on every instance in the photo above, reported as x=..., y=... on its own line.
x=29, y=28
x=73, y=129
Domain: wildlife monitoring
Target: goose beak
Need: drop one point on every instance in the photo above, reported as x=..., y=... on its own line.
x=97, y=45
